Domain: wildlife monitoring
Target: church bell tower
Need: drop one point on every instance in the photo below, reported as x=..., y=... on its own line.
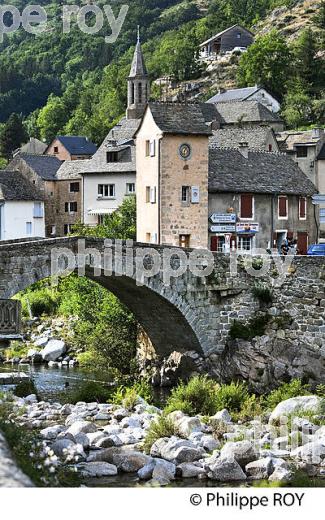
x=138, y=84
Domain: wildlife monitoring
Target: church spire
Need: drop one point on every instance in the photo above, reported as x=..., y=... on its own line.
x=138, y=83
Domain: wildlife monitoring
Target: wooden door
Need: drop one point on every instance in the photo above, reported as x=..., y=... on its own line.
x=302, y=243
x=214, y=243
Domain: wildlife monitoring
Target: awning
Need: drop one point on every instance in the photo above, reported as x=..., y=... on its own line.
x=101, y=211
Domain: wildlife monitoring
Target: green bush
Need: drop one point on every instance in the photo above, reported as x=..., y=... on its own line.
x=286, y=391
x=25, y=388
x=255, y=327
x=232, y=396
x=127, y=396
x=263, y=294
x=162, y=427
x=90, y=392
x=40, y=301
x=198, y=396
x=17, y=349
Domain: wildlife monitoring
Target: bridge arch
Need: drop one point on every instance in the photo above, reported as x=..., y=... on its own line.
x=163, y=314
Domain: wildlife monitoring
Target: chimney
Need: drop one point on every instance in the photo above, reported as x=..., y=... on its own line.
x=317, y=133
x=243, y=148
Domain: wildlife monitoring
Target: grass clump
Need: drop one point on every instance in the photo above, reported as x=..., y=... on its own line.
x=162, y=427
x=198, y=396
x=128, y=396
x=262, y=294
x=17, y=349
x=232, y=396
x=255, y=327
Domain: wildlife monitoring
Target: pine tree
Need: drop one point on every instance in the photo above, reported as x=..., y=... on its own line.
x=12, y=136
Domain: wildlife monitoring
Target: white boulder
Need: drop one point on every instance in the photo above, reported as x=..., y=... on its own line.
x=54, y=349
x=307, y=403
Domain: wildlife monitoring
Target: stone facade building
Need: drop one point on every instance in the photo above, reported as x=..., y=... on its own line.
x=71, y=148
x=255, y=93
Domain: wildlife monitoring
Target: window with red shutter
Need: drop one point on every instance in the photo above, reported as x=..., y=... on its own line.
x=283, y=207
x=246, y=206
x=302, y=208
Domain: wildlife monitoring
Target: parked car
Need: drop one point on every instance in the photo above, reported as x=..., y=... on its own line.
x=316, y=250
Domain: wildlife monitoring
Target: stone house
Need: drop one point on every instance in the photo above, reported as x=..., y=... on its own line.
x=307, y=149
x=254, y=137
x=71, y=148
x=225, y=41
x=40, y=170
x=172, y=145
x=247, y=113
x=255, y=93
x=268, y=197
x=21, y=207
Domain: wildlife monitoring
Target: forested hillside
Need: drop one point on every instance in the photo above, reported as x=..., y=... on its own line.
x=76, y=83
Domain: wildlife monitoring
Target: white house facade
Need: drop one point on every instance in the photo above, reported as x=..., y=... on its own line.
x=21, y=208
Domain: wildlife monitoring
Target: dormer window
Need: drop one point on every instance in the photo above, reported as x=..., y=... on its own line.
x=112, y=157
x=238, y=36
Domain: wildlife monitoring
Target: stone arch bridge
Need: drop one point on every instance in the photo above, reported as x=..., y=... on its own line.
x=191, y=313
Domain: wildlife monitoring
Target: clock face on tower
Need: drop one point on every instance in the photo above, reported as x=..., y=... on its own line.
x=185, y=151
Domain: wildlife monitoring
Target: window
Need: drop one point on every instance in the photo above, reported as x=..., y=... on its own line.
x=148, y=238
x=130, y=188
x=185, y=194
x=112, y=157
x=148, y=194
x=101, y=220
x=106, y=190
x=283, y=207
x=245, y=243
x=184, y=240
x=38, y=210
x=140, y=92
x=56, y=149
x=302, y=208
x=52, y=231
x=247, y=206
x=302, y=151
x=132, y=94
x=238, y=36
x=71, y=207
x=270, y=148
x=153, y=195
x=67, y=229
x=150, y=148
x=74, y=187
x=195, y=195
x=29, y=228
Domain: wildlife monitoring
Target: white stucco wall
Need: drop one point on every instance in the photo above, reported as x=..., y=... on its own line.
x=91, y=201
x=14, y=216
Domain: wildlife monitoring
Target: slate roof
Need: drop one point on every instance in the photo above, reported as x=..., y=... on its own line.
x=14, y=186
x=237, y=94
x=46, y=166
x=118, y=139
x=138, y=67
x=246, y=112
x=77, y=145
x=34, y=146
x=177, y=118
x=289, y=140
x=230, y=137
x=261, y=172
x=218, y=35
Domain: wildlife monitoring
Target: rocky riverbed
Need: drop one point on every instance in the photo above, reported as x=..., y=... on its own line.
x=104, y=440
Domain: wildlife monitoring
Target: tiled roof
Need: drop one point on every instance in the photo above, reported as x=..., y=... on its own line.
x=246, y=112
x=138, y=67
x=218, y=35
x=45, y=166
x=14, y=186
x=118, y=139
x=77, y=145
x=261, y=172
x=34, y=146
x=177, y=118
x=230, y=137
x=237, y=94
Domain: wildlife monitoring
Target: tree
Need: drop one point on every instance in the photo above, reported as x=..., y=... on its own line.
x=12, y=136
x=297, y=109
x=305, y=65
x=52, y=118
x=267, y=63
x=319, y=18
